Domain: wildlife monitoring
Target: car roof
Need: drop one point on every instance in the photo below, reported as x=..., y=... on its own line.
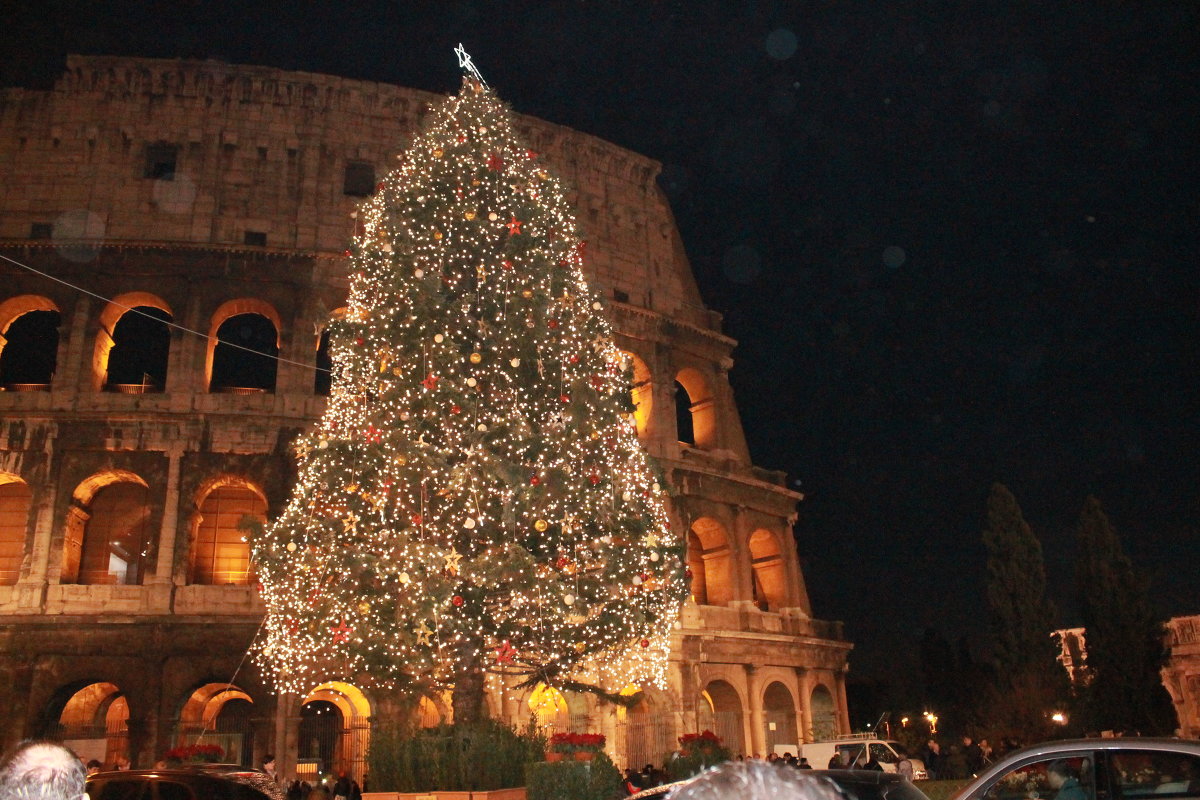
x=838, y=776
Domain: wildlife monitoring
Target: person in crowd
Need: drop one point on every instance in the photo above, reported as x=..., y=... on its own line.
x=973, y=755
x=356, y=791
x=94, y=766
x=804, y=764
x=39, y=770
x=839, y=760
x=341, y=787
x=1065, y=781
x=268, y=766
x=755, y=780
x=931, y=754
x=985, y=753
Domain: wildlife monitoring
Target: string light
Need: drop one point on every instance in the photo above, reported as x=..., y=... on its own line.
x=474, y=498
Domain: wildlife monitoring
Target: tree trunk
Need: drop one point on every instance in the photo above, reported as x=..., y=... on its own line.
x=467, y=695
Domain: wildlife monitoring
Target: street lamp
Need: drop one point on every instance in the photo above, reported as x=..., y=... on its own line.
x=932, y=719
x=1059, y=717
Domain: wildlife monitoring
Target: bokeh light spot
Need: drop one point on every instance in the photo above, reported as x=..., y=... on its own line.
x=781, y=44
x=894, y=257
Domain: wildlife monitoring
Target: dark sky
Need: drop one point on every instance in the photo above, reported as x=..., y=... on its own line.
x=957, y=242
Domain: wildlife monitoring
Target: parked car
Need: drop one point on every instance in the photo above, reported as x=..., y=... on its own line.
x=203, y=782
x=854, y=785
x=1093, y=769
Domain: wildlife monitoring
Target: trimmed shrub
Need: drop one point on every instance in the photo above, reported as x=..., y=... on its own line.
x=598, y=779
x=478, y=757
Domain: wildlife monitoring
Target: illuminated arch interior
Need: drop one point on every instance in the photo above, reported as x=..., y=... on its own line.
x=220, y=554
x=779, y=716
x=94, y=720
x=770, y=577
x=341, y=745
x=348, y=698
x=107, y=533
x=204, y=705
x=701, y=406
x=110, y=317
x=549, y=708
x=710, y=557
x=15, y=498
x=721, y=712
x=643, y=392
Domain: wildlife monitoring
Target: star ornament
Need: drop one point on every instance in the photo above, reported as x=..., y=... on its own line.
x=514, y=226
x=341, y=633
x=452, y=561
x=350, y=521
x=505, y=653
x=495, y=162
x=423, y=633
x=430, y=382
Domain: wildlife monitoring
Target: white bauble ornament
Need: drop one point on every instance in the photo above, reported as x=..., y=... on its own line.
x=418, y=273
x=468, y=523
x=437, y=337
x=569, y=599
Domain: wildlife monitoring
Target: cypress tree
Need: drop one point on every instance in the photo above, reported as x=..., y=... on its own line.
x=1028, y=684
x=1124, y=640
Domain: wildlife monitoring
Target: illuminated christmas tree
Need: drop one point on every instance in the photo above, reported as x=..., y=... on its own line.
x=474, y=499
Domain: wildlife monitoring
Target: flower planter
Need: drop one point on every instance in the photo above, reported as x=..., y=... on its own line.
x=552, y=756
x=584, y=755
x=495, y=794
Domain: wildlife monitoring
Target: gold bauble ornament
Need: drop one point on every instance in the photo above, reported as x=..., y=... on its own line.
x=437, y=235
x=540, y=525
x=476, y=358
x=352, y=488
x=401, y=460
x=291, y=547
x=470, y=215
x=527, y=293
x=437, y=152
x=580, y=646
x=364, y=607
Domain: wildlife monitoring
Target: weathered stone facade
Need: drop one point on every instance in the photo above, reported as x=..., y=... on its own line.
x=223, y=194
x=1181, y=675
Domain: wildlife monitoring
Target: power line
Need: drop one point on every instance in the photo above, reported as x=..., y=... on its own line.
x=204, y=336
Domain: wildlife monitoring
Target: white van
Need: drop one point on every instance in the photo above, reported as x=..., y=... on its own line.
x=890, y=754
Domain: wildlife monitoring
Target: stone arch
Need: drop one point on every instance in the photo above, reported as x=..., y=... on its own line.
x=556, y=711
x=109, y=338
x=217, y=358
x=220, y=714
x=824, y=714
x=710, y=559
x=647, y=729
x=721, y=712
x=32, y=360
x=335, y=725
x=15, y=500
x=779, y=717
x=642, y=392
x=108, y=534
x=699, y=413
x=768, y=572
x=93, y=720
x=219, y=553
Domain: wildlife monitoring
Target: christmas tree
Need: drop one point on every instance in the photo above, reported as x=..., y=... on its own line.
x=474, y=499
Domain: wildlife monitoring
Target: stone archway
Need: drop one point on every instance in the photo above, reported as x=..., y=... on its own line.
x=334, y=731
x=646, y=730
x=93, y=721
x=220, y=714
x=710, y=559
x=824, y=715
x=779, y=718
x=721, y=713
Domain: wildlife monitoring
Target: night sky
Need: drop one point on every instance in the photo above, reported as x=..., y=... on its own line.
x=957, y=243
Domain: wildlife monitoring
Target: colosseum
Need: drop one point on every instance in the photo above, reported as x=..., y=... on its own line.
x=216, y=200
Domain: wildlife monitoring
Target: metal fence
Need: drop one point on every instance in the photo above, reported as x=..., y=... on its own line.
x=106, y=743
x=645, y=739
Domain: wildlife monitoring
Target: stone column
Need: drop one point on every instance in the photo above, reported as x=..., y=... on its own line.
x=76, y=371
x=168, y=532
x=43, y=533
x=805, y=694
x=286, y=734
x=757, y=740
x=843, y=708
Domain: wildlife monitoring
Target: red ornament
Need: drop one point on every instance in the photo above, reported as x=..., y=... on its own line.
x=530, y=154
x=462, y=137
x=505, y=653
x=342, y=632
x=552, y=324
x=346, y=253
x=598, y=381
x=373, y=434
x=507, y=265
x=415, y=519
x=594, y=478
x=455, y=409
x=645, y=642
x=574, y=359
x=430, y=382
x=457, y=600
x=495, y=162
x=564, y=398
x=535, y=480
x=687, y=573
x=514, y=226
x=561, y=562
x=360, y=341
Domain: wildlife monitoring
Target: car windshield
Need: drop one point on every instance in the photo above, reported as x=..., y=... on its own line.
x=899, y=748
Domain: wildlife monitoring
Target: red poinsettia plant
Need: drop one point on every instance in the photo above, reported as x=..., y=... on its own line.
x=571, y=742
x=209, y=753
x=704, y=741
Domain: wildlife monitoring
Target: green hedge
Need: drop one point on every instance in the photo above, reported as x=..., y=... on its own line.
x=478, y=757
x=598, y=779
